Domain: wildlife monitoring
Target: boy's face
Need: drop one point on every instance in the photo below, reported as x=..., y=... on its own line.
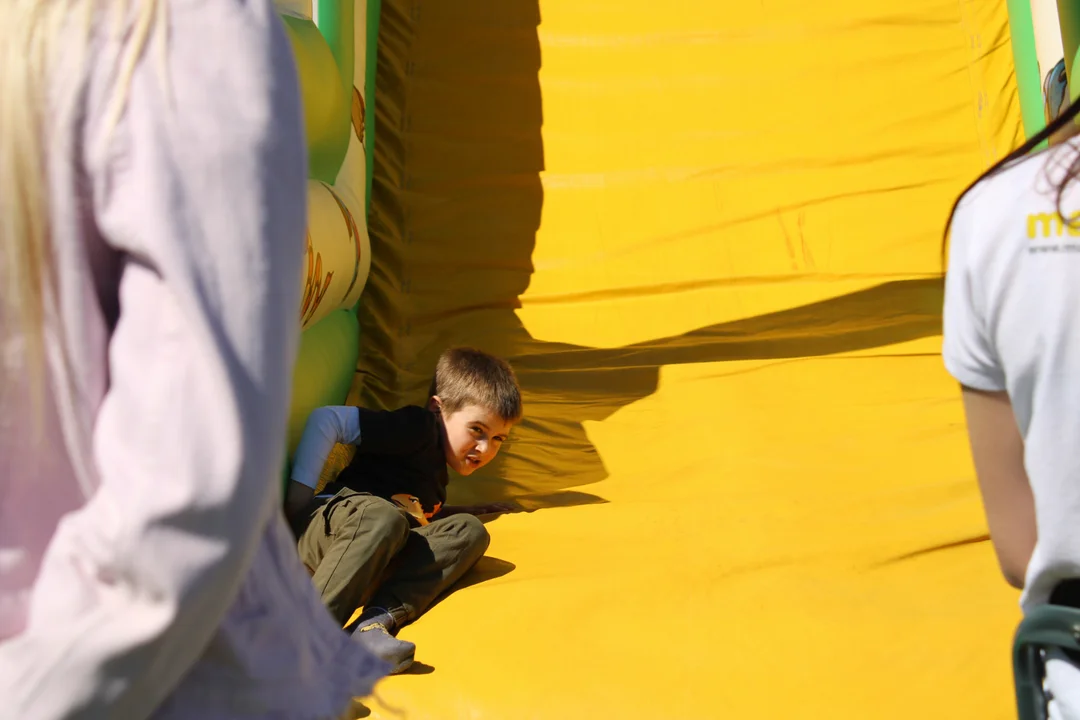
x=472, y=437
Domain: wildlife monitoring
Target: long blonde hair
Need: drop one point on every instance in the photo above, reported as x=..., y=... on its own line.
x=35, y=105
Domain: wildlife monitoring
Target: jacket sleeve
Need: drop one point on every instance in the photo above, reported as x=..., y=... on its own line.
x=202, y=195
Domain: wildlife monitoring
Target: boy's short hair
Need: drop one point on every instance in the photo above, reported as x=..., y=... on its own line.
x=467, y=376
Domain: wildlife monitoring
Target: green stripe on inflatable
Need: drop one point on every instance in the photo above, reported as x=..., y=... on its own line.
x=1069, y=17
x=1074, y=90
x=336, y=21
x=1028, y=82
x=374, y=12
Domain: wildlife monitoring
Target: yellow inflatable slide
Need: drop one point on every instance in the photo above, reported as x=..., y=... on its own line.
x=708, y=236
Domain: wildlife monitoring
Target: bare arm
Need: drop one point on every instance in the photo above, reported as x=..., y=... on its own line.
x=998, y=452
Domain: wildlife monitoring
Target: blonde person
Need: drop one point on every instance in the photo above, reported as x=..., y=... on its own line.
x=152, y=184
x=1012, y=341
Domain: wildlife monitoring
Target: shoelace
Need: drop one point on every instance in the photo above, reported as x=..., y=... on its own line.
x=374, y=625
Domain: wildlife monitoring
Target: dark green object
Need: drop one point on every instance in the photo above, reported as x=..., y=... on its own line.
x=1046, y=627
x=374, y=12
x=1026, y=62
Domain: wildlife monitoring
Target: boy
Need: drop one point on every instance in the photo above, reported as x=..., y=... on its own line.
x=385, y=540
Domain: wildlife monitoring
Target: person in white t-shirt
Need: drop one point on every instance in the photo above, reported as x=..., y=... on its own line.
x=1012, y=340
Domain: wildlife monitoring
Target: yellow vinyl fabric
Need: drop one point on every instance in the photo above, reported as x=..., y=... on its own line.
x=708, y=237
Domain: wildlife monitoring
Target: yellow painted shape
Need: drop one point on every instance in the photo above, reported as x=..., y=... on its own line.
x=707, y=237
x=326, y=109
x=339, y=254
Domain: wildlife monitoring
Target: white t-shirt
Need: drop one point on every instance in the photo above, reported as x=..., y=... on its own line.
x=1012, y=322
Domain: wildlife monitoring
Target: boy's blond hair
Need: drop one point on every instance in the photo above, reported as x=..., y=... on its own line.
x=467, y=376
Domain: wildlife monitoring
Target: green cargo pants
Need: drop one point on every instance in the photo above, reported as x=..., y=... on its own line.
x=363, y=550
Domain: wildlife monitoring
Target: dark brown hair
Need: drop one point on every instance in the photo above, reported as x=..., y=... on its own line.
x=467, y=376
x=1073, y=172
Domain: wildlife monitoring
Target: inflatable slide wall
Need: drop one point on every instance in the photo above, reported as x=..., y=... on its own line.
x=330, y=41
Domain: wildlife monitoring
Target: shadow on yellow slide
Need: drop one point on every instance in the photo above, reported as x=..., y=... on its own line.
x=707, y=235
